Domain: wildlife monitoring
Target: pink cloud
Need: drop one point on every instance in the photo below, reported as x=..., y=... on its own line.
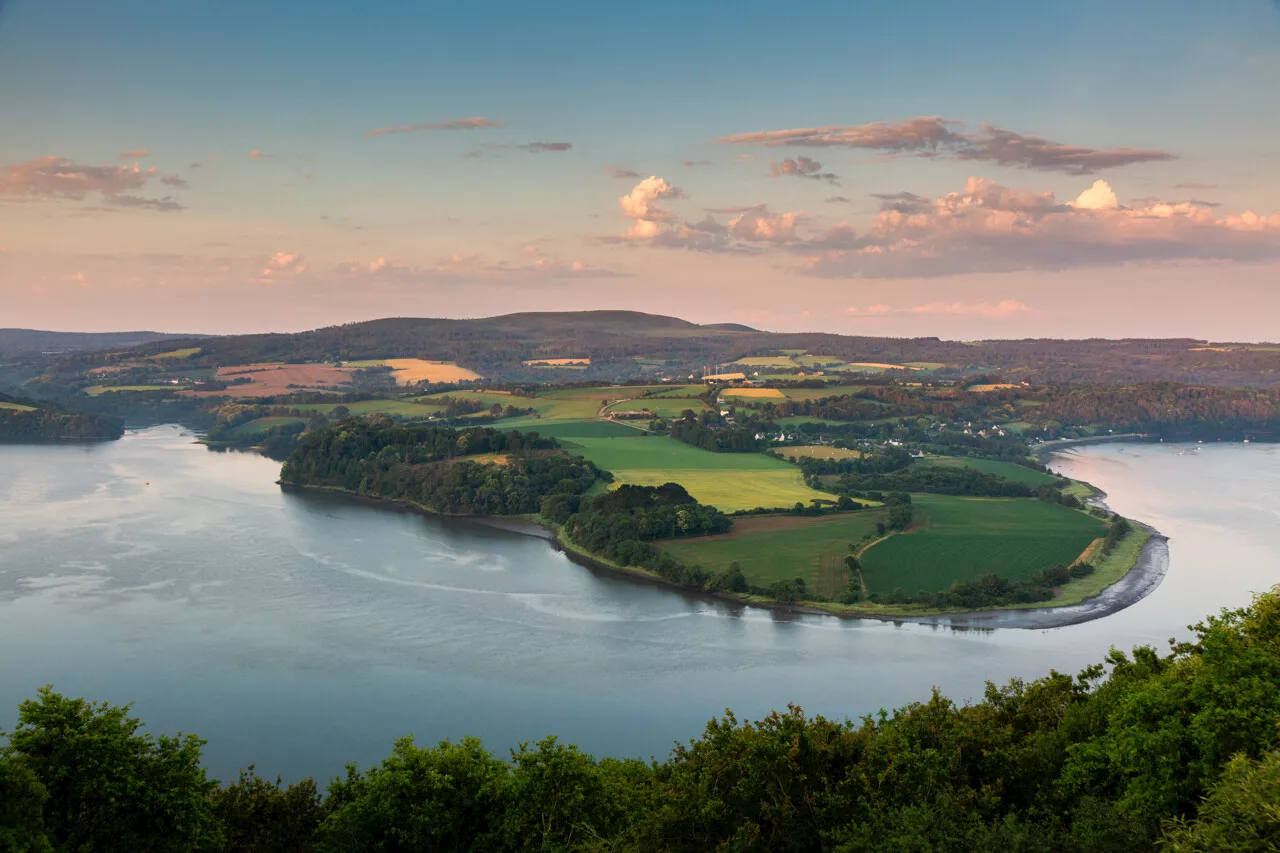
x=932, y=136
x=134, y=154
x=639, y=203
x=450, y=124
x=61, y=178
x=802, y=167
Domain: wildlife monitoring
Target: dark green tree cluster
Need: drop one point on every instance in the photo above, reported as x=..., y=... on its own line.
x=622, y=525
x=940, y=480
x=429, y=465
x=709, y=431
x=1146, y=752
x=32, y=421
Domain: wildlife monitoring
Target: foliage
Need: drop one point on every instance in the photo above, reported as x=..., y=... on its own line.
x=30, y=420
x=1174, y=752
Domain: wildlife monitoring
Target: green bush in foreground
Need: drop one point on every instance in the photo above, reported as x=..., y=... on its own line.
x=1174, y=752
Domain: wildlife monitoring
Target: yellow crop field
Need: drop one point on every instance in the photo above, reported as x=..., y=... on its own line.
x=17, y=407
x=766, y=361
x=978, y=389
x=408, y=371
x=177, y=353
x=752, y=392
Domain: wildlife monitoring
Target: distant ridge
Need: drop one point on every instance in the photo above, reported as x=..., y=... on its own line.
x=20, y=341
x=730, y=327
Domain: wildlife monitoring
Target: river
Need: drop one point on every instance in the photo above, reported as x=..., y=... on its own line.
x=300, y=631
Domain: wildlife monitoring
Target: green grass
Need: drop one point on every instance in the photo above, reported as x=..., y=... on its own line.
x=95, y=390
x=796, y=420
x=256, y=428
x=178, y=353
x=17, y=407
x=773, y=548
x=965, y=538
x=663, y=407
x=570, y=429
x=924, y=365
x=679, y=391
x=561, y=404
x=766, y=361
x=730, y=481
x=399, y=408
x=816, y=393
x=1007, y=470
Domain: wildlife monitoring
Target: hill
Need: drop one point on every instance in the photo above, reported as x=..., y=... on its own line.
x=21, y=341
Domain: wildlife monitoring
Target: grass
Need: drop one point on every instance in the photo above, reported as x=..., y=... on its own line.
x=766, y=361
x=780, y=547
x=399, y=408
x=1008, y=470
x=188, y=352
x=961, y=539
x=570, y=429
x=730, y=481
x=95, y=390
x=995, y=386
x=17, y=407
x=679, y=391
x=796, y=420
x=256, y=428
x=561, y=404
x=812, y=451
x=818, y=393
x=669, y=407
x=924, y=365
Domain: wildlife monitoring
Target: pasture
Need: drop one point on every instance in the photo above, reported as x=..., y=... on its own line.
x=994, y=386
x=96, y=390
x=1008, y=470
x=817, y=451
x=797, y=420
x=782, y=547
x=662, y=407
x=679, y=391
x=961, y=539
x=258, y=427
x=766, y=361
x=730, y=481
x=186, y=352
x=819, y=393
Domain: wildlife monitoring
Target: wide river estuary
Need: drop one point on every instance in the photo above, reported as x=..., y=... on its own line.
x=299, y=632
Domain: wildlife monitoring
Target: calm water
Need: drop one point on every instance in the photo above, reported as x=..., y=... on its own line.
x=299, y=632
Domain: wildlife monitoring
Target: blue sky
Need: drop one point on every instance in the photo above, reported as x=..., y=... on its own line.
x=464, y=220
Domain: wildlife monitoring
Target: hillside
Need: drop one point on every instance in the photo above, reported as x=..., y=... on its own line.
x=20, y=341
x=23, y=420
x=617, y=341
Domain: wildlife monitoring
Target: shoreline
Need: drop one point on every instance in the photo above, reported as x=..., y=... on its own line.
x=1148, y=570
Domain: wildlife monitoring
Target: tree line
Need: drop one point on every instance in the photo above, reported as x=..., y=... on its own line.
x=31, y=421
x=1173, y=751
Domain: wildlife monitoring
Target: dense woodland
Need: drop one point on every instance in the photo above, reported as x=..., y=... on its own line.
x=1174, y=752
x=429, y=465
x=24, y=420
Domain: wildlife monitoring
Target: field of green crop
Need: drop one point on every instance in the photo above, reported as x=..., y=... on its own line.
x=796, y=420
x=572, y=429
x=95, y=390
x=400, y=408
x=965, y=538
x=255, y=428
x=772, y=548
x=679, y=391
x=663, y=407
x=730, y=481
x=1008, y=470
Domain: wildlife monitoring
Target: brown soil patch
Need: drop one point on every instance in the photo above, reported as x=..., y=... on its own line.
x=270, y=379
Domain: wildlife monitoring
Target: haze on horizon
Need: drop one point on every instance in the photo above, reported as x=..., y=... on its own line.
x=992, y=170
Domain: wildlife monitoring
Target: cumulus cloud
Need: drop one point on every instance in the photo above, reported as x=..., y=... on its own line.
x=62, y=178
x=134, y=154
x=450, y=124
x=640, y=202
x=619, y=172
x=761, y=226
x=1003, y=308
x=281, y=267
x=933, y=136
x=257, y=154
x=988, y=227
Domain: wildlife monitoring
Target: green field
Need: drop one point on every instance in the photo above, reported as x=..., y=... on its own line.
x=663, y=407
x=17, y=407
x=571, y=429
x=398, y=408
x=730, y=481
x=679, y=391
x=95, y=390
x=924, y=365
x=816, y=393
x=965, y=538
x=178, y=353
x=766, y=361
x=561, y=404
x=772, y=548
x=1007, y=470
x=796, y=420
x=256, y=428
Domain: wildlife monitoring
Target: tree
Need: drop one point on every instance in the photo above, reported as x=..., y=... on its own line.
x=1240, y=815
x=258, y=815
x=110, y=787
x=22, y=799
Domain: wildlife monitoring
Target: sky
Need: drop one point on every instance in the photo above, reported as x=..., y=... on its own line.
x=963, y=170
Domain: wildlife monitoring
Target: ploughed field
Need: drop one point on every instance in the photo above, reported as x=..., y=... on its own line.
x=961, y=539
x=783, y=547
x=729, y=481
